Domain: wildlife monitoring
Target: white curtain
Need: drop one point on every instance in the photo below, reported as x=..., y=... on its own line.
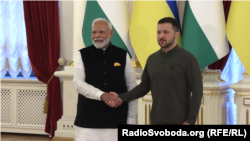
x=14, y=53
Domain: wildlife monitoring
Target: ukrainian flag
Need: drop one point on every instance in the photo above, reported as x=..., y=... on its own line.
x=143, y=26
x=238, y=28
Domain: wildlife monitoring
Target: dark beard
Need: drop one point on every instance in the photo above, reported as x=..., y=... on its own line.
x=168, y=44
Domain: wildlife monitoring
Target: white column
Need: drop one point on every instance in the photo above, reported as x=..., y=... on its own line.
x=215, y=99
x=71, y=21
x=242, y=99
x=65, y=126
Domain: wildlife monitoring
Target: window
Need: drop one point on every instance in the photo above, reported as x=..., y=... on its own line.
x=14, y=54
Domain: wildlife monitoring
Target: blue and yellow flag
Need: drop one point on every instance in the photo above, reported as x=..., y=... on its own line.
x=238, y=29
x=143, y=26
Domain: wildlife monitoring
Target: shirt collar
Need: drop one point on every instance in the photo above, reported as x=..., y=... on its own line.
x=105, y=49
x=170, y=51
x=108, y=48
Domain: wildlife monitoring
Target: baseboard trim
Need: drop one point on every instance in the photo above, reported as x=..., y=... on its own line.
x=62, y=139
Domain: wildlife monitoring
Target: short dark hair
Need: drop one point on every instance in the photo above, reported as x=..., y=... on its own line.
x=174, y=22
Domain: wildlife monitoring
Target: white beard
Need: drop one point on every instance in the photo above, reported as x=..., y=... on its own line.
x=101, y=45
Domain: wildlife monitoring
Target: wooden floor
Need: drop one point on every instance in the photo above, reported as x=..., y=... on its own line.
x=23, y=137
x=31, y=137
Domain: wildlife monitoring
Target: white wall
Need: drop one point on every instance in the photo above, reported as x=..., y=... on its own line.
x=78, y=16
x=66, y=30
x=71, y=20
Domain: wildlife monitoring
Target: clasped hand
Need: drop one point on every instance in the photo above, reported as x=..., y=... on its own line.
x=111, y=99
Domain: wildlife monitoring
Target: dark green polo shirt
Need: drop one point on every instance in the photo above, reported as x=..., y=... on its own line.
x=171, y=77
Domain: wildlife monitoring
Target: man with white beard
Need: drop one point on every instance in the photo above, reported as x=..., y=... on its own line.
x=98, y=70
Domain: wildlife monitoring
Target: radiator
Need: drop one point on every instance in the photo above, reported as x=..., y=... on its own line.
x=22, y=106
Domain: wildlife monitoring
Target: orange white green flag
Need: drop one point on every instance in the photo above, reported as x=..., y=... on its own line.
x=115, y=12
x=204, y=32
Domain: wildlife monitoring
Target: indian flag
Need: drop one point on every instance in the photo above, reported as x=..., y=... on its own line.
x=115, y=12
x=204, y=31
x=238, y=28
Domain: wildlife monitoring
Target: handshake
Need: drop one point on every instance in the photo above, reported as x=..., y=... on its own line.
x=111, y=99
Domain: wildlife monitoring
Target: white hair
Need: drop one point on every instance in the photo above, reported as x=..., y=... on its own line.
x=102, y=20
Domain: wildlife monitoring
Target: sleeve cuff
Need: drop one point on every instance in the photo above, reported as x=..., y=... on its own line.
x=190, y=121
x=98, y=95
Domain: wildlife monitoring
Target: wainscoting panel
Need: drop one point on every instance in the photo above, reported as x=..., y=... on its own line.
x=22, y=106
x=6, y=99
x=30, y=107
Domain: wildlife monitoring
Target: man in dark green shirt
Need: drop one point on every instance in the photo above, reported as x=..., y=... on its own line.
x=172, y=74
